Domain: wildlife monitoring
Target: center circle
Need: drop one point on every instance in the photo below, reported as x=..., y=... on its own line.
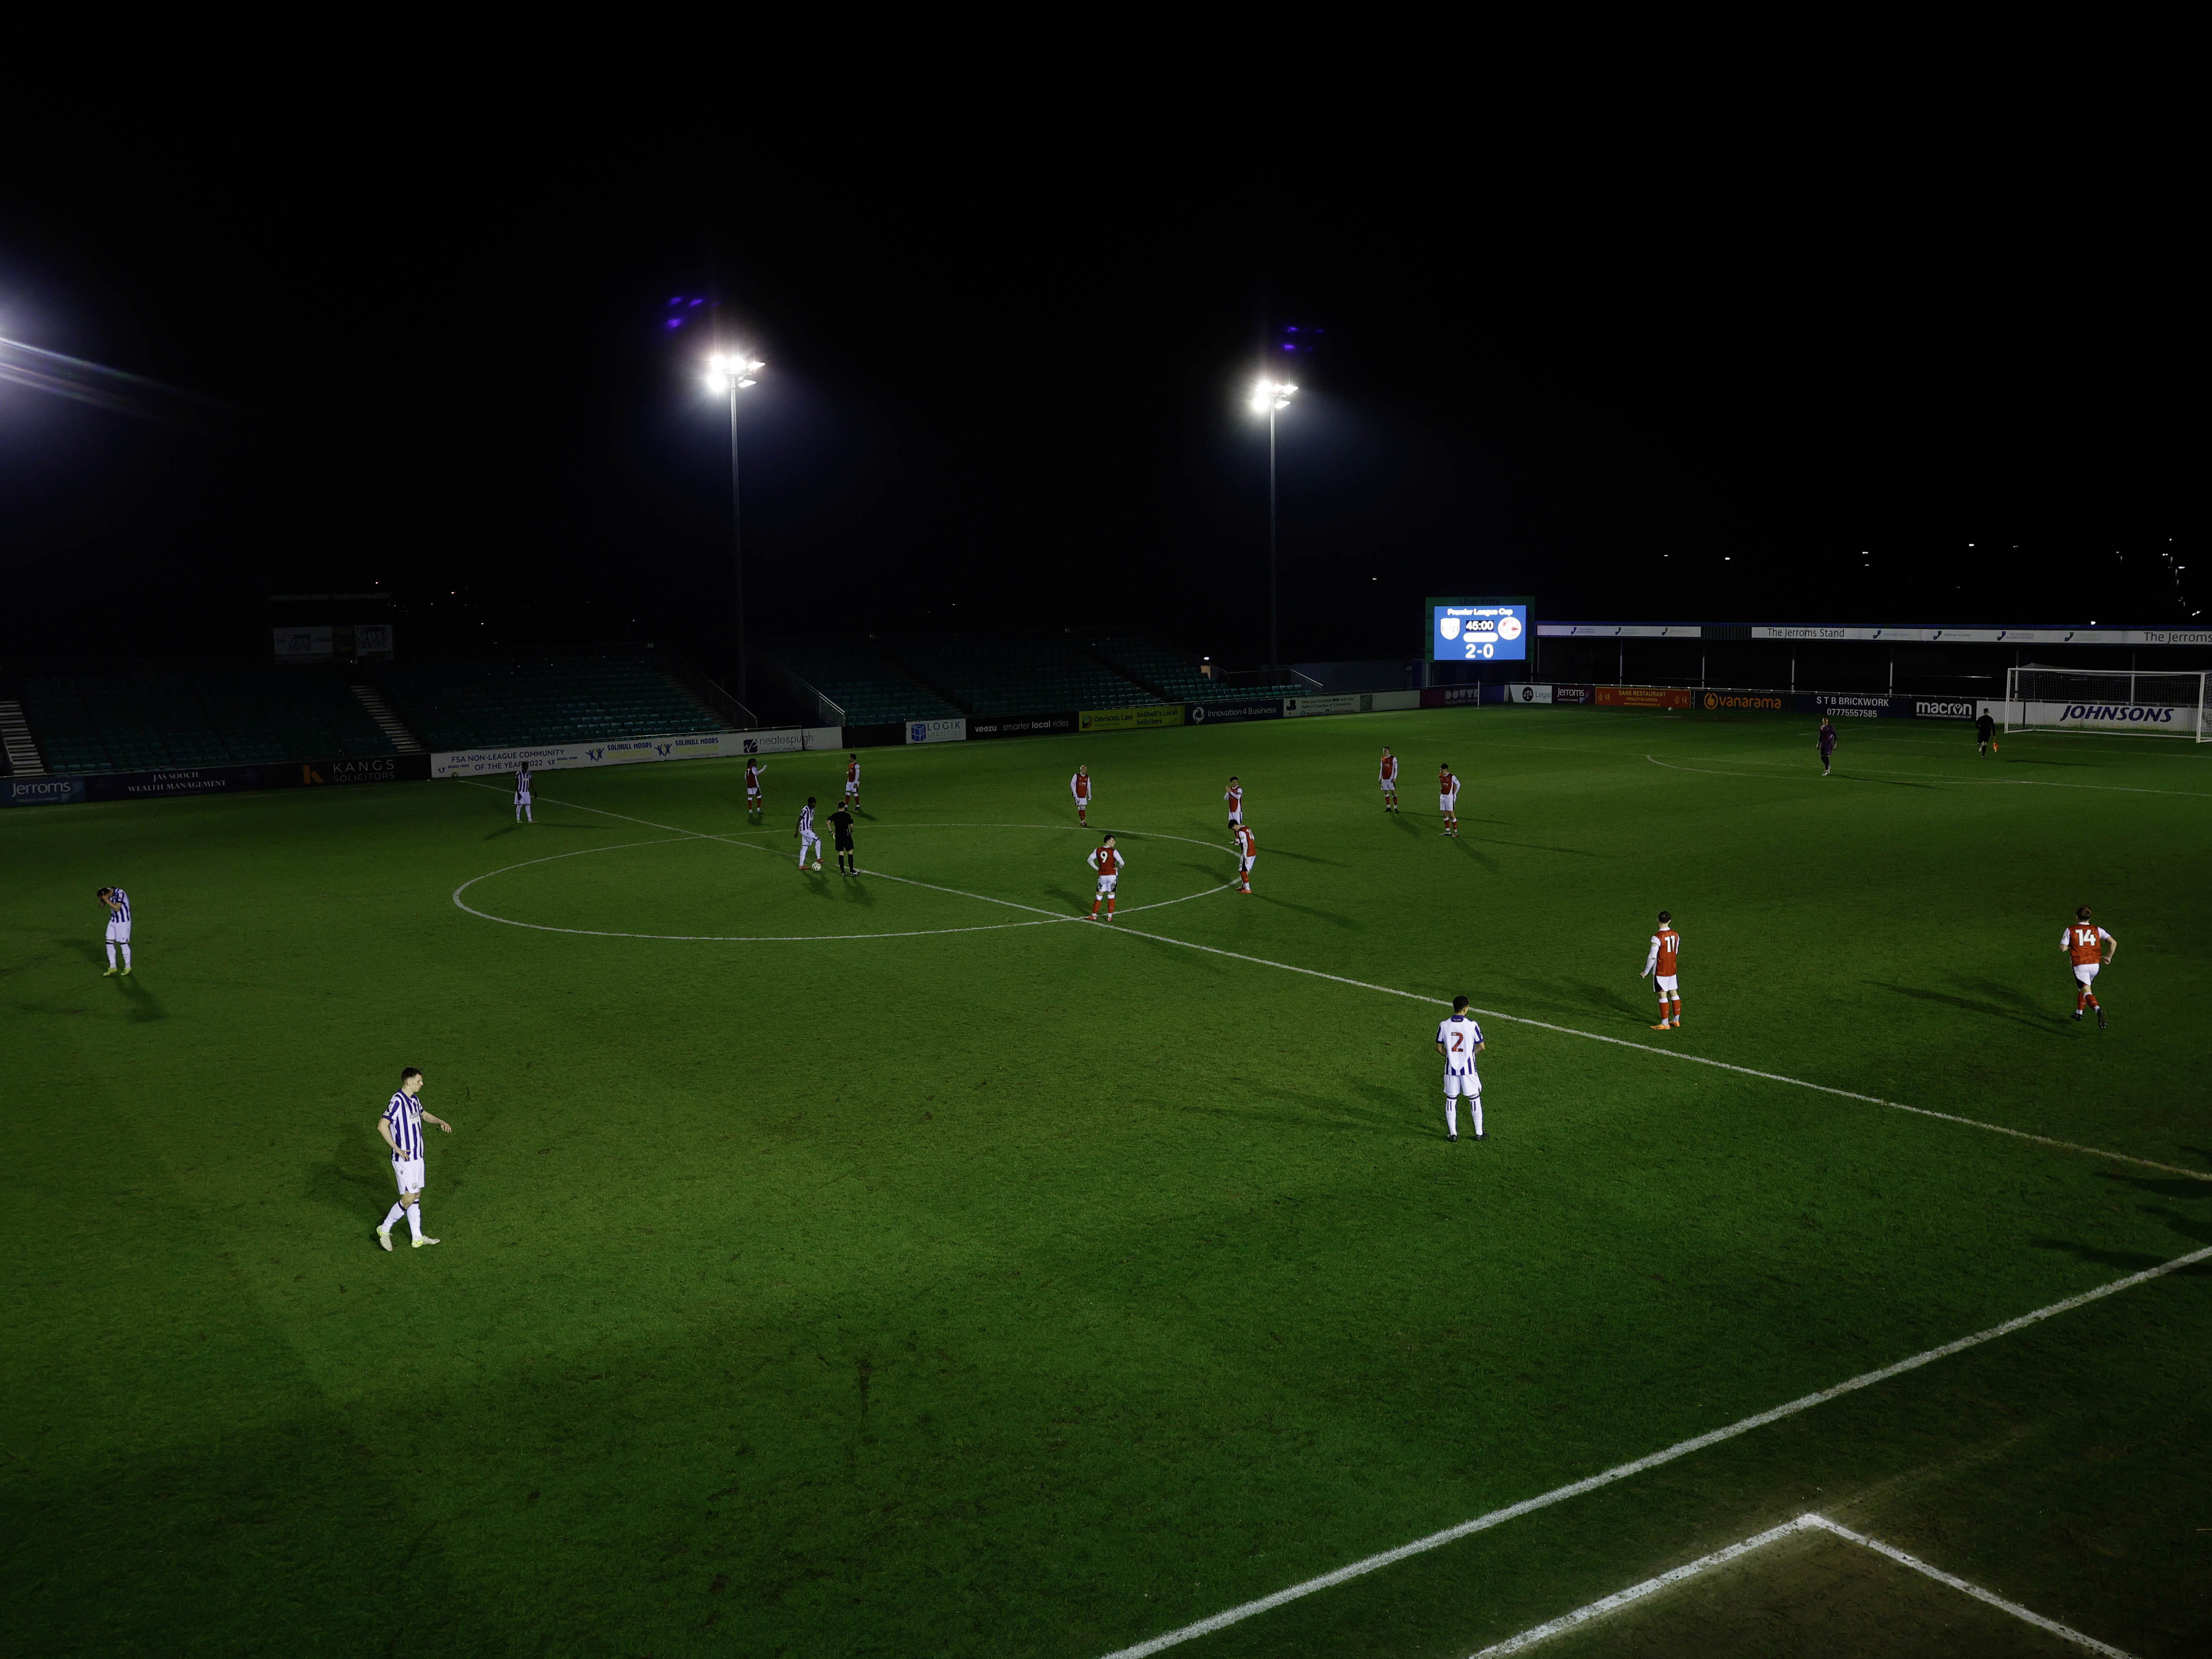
x=750, y=879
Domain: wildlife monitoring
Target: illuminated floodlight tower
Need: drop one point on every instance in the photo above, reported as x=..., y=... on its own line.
x=1270, y=397
x=729, y=373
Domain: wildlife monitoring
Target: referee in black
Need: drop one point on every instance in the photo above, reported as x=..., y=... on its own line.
x=841, y=831
x=1985, y=729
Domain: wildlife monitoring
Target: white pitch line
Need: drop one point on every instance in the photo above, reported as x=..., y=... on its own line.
x=1528, y=1638
x=1621, y=1471
x=678, y=833
x=1974, y=1590
x=1935, y=780
x=1364, y=984
x=1619, y=1599
x=1676, y=1053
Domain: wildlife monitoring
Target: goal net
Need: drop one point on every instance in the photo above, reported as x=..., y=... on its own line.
x=2039, y=698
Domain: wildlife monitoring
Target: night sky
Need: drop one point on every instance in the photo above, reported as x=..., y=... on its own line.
x=1695, y=381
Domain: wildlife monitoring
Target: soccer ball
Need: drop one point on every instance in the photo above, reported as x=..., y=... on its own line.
x=818, y=864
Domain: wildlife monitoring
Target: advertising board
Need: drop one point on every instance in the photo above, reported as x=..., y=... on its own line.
x=1452, y=696
x=169, y=782
x=624, y=752
x=1222, y=713
x=951, y=731
x=1142, y=718
x=1026, y=725
x=1642, y=697
x=1387, y=702
x=302, y=644
x=1479, y=631
x=1346, y=702
x=1528, y=693
x=1715, y=702
x=1582, y=694
x=41, y=792
x=2104, y=716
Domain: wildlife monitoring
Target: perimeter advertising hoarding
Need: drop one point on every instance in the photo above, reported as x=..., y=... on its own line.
x=1479, y=631
x=2104, y=716
x=952, y=731
x=624, y=752
x=209, y=781
x=1715, y=702
x=1143, y=717
x=1868, y=706
x=1642, y=697
x=1026, y=725
x=1221, y=713
x=1342, y=702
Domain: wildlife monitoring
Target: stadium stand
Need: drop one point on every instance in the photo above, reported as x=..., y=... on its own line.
x=1177, y=677
x=1018, y=674
x=861, y=680
x=461, y=704
x=144, y=719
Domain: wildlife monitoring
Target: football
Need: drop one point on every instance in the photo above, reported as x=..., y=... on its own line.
x=818, y=864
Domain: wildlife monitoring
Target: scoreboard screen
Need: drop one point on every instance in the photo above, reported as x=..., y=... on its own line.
x=1479, y=631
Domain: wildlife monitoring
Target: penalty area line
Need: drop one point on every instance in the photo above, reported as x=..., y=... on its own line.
x=1237, y=1614
x=1634, y=1593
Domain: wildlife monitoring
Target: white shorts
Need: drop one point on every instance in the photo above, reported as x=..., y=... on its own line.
x=753, y=794
x=408, y=1172
x=1106, y=884
x=1668, y=984
x=852, y=788
x=1247, y=863
x=1389, y=786
x=523, y=799
x=1236, y=815
x=1083, y=803
x=806, y=840
x=1462, y=1083
x=118, y=932
x=1446, y=803
x=2083, y=971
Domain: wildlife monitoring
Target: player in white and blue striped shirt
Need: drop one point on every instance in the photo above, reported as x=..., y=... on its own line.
x=119, y=926
x=401, y=1126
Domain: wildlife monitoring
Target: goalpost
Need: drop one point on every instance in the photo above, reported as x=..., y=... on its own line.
x=2149, y=703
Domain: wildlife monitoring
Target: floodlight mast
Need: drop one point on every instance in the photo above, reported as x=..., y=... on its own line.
x=727, y=374
x=1268, y=396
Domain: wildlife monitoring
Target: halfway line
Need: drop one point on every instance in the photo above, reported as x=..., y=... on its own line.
x=1682, y=1448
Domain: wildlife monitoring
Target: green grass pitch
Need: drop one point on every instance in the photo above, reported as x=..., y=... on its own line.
x=862, y=1266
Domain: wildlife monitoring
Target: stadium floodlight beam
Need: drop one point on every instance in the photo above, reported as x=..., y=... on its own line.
x=727, y=374
x=1269, y=397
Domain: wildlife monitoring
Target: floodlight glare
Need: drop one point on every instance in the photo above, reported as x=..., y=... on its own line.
x=1268, y=396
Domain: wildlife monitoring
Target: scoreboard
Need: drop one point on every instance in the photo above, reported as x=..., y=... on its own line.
x=1479, y=631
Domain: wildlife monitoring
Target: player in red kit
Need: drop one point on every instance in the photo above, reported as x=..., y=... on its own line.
x=1080, y=786
x=1106, y=860
x=2091, y=949
x=1661, y=966
x=1447, y=798
x=754, y=805
x=1389, y=781
x=1235, y=796
x=852, y=781
x=1247, y=850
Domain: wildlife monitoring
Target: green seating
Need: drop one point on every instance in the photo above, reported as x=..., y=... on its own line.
x=142, y=719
